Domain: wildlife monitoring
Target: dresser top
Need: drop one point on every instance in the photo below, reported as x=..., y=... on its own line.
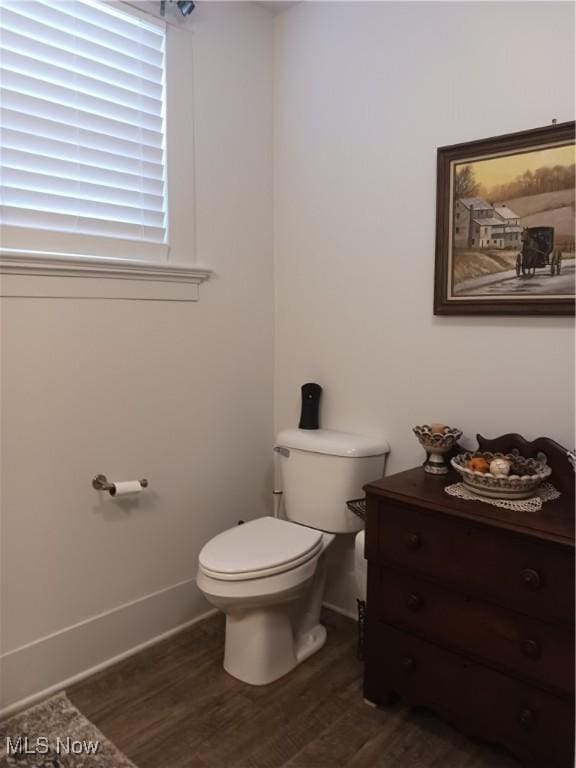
x=554, y=522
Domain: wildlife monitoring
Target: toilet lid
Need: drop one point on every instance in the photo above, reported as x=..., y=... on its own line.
x=259, y=547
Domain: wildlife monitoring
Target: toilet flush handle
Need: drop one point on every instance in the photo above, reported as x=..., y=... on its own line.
x=282, y=450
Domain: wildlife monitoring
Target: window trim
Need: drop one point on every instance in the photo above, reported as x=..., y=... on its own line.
x=35, y=275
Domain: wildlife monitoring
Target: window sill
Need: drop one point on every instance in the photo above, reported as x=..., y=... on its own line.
x=61, y=277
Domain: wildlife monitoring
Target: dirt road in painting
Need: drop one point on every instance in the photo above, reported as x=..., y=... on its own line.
x=542, y=284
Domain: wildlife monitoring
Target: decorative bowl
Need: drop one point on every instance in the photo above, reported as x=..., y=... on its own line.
x=525, y=476
x=436, y=443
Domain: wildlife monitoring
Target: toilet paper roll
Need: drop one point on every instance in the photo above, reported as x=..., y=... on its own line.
x=360, y=566
x=126, y=488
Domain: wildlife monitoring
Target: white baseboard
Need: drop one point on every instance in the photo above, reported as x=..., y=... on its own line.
x=342, y=611
x=43, y=667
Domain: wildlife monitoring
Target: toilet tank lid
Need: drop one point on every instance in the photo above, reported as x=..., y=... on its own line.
x=331, y=442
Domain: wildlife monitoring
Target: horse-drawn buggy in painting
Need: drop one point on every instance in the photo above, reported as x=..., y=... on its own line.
x=538, y=251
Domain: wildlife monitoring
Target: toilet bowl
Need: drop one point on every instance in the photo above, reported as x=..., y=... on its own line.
x=267, y=576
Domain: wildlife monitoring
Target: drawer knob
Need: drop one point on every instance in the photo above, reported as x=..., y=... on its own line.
x=414, y=602
x=527, y=718
x=408, y=664
x=531, y=648
x=413, y=540
x=531, y=579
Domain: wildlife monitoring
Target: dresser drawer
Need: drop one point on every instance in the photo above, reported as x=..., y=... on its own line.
x=516, y=571
x=511, y=641
x=537, y=727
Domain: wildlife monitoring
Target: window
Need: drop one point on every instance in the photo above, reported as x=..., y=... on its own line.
x=82, y=152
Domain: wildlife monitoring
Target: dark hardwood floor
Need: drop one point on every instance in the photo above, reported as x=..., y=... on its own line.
x=173, y=706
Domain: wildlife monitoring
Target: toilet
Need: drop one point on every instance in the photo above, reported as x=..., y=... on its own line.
x=268, y=575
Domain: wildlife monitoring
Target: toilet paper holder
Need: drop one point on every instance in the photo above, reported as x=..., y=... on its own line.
x=101, y=483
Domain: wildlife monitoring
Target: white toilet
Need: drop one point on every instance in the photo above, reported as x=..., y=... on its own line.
x=268, y=575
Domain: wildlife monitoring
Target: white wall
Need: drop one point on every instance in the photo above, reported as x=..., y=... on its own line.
x=178, y=392
x=365, y=93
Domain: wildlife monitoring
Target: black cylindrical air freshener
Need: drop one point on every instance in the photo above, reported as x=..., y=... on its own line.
x=309, y=418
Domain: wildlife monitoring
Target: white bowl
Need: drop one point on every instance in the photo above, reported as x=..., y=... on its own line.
x=524, y=479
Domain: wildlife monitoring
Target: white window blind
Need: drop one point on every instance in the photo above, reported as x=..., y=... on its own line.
x=82, y=129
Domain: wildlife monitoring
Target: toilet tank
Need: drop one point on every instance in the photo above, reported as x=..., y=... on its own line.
x=322, y=470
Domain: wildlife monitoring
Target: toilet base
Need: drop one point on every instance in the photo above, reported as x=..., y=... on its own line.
x=260, y=646
x=310, y=642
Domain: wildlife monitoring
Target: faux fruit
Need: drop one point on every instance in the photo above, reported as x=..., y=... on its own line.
x=500, y=467
x=479, y=464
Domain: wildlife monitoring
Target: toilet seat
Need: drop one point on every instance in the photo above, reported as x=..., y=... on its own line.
x=259, y=548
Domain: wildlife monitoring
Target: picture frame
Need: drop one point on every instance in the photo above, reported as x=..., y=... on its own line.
x=505, y=225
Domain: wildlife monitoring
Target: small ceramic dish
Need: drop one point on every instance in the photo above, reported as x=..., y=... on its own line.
x=436, y=444
x=524, y=479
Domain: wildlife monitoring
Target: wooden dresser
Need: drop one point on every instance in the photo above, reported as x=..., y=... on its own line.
x=470, y=608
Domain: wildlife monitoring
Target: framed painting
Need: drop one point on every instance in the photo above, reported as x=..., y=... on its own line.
x=505, y=225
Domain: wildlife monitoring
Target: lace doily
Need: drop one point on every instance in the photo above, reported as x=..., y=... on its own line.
x=546, y=492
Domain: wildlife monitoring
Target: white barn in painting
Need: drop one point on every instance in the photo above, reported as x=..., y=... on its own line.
x=477, y=224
